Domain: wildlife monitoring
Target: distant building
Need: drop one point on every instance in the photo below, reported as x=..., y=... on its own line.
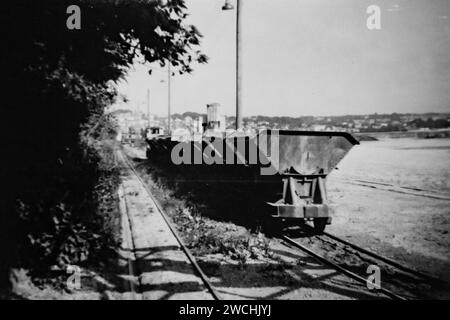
x=318, y=127
x=199, y=125
x=215, y=121
x=181, y=134
x=188, y=121
x=177, y=123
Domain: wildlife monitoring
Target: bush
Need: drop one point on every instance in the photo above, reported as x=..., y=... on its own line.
x=72, y=217
x=205, y=236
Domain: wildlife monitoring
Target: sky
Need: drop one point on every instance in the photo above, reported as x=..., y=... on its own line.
x=311, y=57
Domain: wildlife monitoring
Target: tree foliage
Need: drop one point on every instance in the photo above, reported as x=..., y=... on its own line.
x=57, y=85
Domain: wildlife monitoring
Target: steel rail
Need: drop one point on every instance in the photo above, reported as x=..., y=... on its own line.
x=381, y=258
x=191, y=258
x=348, y=273
x=384, y=259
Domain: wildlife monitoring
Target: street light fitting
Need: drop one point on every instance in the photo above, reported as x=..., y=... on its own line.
x=227, y=6
x=163, y=3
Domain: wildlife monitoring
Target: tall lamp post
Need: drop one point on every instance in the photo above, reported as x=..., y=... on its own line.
x=228, y=6
x=169, y=102
x=169, y=93
x=148, y=107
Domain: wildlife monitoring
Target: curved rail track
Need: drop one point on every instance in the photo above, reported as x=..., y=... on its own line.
x=410, y=273
x=191, y=258
x=343, y=270
x=419, y=192
x=385, y=259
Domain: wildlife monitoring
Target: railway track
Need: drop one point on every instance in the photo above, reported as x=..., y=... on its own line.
x=401, y=283
x=191, y=258
x=388, y=289
x=419, y=192
x=339, y=268
x=384, y=259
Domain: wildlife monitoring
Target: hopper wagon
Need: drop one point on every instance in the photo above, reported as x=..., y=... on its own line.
x=286, y=169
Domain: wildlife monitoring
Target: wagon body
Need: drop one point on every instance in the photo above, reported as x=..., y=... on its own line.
x=286, y=168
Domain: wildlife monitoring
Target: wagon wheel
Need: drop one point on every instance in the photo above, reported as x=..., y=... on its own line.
x=320, y=224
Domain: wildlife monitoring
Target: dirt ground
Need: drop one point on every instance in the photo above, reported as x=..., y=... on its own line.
x=406, y=214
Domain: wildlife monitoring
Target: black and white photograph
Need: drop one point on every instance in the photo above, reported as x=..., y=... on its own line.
x=237, y=151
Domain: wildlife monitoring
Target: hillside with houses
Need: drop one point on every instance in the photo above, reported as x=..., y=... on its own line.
x=395, y=122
